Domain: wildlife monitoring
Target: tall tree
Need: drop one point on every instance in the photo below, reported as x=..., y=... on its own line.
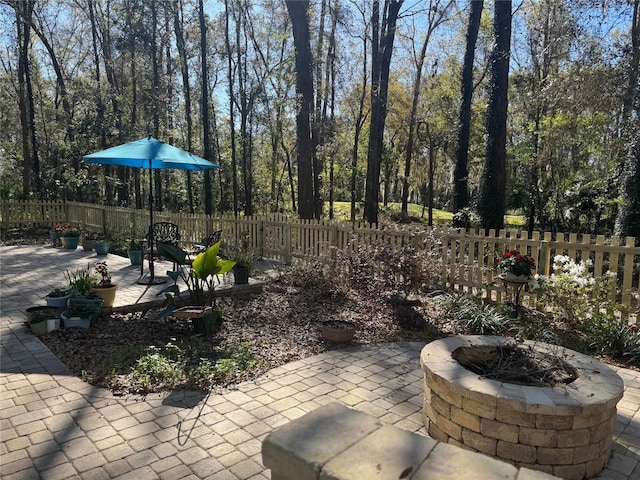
x=178, y=26
x=133, y=15
x=24, y=17
x=494, y=177
x=298, y=12
x=206, y=124
x=232, y=123
x=383, y=35
x=628, y=221
x=461, y=171
x=436, y=14
x=359, y=119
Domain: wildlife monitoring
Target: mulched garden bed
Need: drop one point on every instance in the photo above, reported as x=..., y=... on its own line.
x=280, y=325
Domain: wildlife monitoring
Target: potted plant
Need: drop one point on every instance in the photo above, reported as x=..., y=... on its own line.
x=104, y=289
x=89, y=240
x=134, y=251
x=70, y=237
x=515, y=267
x=81, y=281
x=38, y=318
x=243, y=266
x=55, y=232
x=57, y=297
x=199, y=277
x=243, y=257
x=102, y=246
x=80, y=314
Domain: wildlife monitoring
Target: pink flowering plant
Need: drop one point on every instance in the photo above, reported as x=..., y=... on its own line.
x=105, y=277
x=514, y=262
x=66, y=230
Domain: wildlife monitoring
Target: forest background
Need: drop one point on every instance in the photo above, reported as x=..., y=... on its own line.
x=226, y=81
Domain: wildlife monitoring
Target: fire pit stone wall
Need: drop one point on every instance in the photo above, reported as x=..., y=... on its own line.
x=565, y=430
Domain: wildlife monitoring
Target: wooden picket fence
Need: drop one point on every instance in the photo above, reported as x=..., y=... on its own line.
x=464, y=259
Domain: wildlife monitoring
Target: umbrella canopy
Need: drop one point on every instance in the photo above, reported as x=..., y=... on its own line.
x=149, y=153
x=152, y=154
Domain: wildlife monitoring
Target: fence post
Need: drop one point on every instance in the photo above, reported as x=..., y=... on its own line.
x=543, y=260
x=286, y=230
x=260, y=238
x=104, y=220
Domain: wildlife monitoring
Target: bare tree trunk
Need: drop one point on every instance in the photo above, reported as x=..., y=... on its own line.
x=360, y=119
x=102, y=24
x=461, y=171
x=494, y=178
x=178, y=21
x=304, y=89
x=134, y=100
x=436, y=15
x=23, y=104
x=245, y=133
x=382, y=49
x=330, y=81
x=100, y=106
x=206, y=124
x=33, y=137
x=157, y=178
x=232, y=128
x=319, y=125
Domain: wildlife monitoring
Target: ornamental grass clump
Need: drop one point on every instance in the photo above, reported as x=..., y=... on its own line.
x=81, y=281
x=512, y=261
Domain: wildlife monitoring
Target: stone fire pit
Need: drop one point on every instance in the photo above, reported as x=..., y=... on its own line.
x=564, y=430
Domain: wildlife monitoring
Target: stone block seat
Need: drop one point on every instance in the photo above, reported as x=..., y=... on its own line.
x=335, y=442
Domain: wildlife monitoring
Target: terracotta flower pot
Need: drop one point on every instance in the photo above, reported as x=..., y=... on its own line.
x=338, y=330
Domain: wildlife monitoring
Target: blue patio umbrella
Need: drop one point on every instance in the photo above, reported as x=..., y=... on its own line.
x=152, y=154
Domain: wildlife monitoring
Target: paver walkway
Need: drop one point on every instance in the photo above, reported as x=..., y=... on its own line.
x=54, y=426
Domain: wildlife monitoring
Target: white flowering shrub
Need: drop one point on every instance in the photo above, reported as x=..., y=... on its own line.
x=572, y=293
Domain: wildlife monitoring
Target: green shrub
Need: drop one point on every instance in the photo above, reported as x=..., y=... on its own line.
x=572, y=293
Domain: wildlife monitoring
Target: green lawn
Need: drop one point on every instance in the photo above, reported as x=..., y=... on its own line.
x=342, y=211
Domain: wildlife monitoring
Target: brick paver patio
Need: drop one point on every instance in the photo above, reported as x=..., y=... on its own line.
x=54, y=426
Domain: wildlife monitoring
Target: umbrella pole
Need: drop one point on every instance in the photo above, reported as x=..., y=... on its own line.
x=151, y=279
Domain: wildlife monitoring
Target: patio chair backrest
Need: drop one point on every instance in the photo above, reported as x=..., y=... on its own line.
x=213, y=238
x=165, y=232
